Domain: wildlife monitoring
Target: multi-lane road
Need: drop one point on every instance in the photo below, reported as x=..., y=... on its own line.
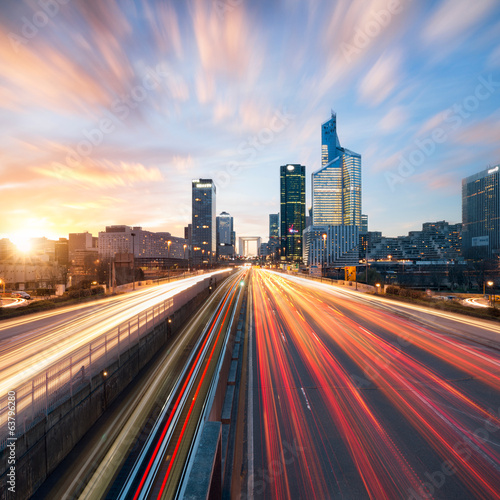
x=351, y=396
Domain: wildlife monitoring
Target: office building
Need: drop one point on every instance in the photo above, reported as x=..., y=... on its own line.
x=293, y=211
x=364, y=223
x=225, y=236
x=336, y=186
x=203, y=233
x=331, y=246
x=145, y=245
x=62, y=251
x=481, y=214
x=274, y=226
x=437, y=241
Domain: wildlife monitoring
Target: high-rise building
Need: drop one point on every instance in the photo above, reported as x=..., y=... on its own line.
x=225, y=236
x=364, y=223
x=274, y=226
x=336, y=186
x=203, y=236
x=62, y=251
x=293, y=210
x=481, y=214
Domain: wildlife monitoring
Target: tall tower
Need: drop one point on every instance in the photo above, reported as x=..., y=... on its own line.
x=481, y=214
x=274, y=226
x=330, y=144
x=293, y=210
x=336, y=186
x=203, y=233
x=225, y=236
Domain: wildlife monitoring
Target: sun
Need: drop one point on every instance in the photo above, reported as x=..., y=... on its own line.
x=21, y=241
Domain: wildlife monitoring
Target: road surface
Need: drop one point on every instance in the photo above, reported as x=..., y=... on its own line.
x=355, y=397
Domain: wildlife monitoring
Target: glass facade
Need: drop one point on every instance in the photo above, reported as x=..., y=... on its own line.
x=225, y=236
x=351, y=188
x=203, y=236
x=293, y=210
x=274, y=226
x=336, y=186
x=481, y=214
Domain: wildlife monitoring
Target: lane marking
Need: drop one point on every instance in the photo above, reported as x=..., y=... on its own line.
x=307, y=401
x=250, y=450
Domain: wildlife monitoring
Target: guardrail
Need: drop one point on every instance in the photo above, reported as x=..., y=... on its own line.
x=49, y=389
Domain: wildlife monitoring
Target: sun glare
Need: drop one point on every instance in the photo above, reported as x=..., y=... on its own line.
x=22, y=242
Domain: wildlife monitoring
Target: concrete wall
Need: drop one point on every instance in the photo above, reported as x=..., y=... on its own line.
x=42, y=448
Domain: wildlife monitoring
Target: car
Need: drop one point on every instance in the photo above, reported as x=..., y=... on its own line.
x=21, y=294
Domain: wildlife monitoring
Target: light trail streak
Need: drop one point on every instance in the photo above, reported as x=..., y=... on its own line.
x=318, y=324
x=33, y=344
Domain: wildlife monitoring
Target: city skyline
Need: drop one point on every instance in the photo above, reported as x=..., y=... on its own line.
x=103, y=131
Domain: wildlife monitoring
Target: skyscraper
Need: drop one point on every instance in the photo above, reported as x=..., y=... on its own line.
x=481, y=214
x=293, y=210
x=274, y=226
x=336, y=186
x=203, y=234
x=225, y=236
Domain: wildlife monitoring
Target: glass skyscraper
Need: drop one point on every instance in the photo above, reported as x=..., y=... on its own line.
x=336, y=186
x=203, y=235
x=293, y=210
x=225, y=236
x=274, y=226
x=481, y=214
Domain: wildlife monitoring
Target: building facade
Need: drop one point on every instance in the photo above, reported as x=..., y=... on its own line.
x=204, y=231
x=336, y=186
x=292, y=211
x=436, y=241
x=142, y=244
x=481, y=214
x=331, y=246
x=225, y=236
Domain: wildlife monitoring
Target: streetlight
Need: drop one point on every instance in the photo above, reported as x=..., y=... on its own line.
x=378, y=287
x=133, y=258
x=185, y=246
x=490, y=284
x=168, y=258
x=324, y=251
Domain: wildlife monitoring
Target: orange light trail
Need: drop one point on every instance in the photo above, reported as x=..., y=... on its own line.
x=318, y=328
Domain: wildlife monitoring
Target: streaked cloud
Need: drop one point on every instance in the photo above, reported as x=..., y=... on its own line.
x=193, y=91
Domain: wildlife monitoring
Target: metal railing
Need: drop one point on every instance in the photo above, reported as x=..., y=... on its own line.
x=49, y=389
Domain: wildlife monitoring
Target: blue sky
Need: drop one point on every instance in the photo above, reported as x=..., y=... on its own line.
x=109, y=109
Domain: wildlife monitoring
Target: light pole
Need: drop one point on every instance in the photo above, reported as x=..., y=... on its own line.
x=133, y=259
x=378, y=287
x=324, y=251
x=490, y=284
x=185, y=246
x=168, y=259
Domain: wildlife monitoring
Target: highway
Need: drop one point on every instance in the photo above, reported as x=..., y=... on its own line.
x=43, y=356
x=352, y=396
x=30, y=344
x=140, y=446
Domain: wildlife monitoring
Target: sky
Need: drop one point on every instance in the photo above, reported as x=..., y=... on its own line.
x=108, y=109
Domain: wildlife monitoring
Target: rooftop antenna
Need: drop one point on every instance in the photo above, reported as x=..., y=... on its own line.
x=334, y=115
